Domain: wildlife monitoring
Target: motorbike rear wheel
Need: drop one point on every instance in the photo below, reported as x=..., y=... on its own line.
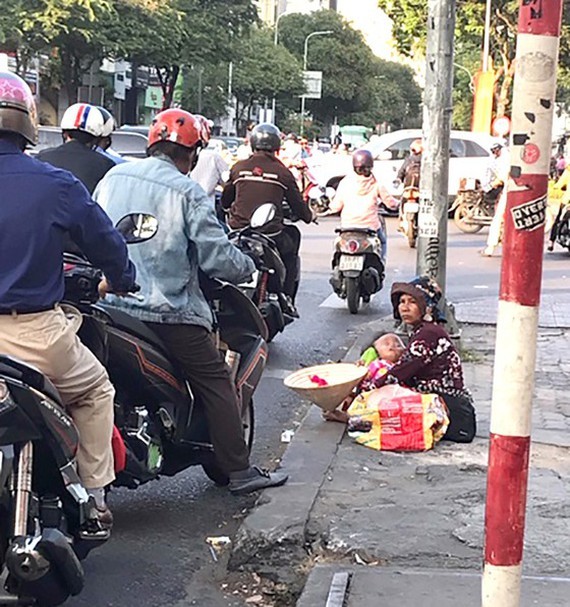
x=353, y=294
x=411, y=230
x=212, y=468
x=463, y=211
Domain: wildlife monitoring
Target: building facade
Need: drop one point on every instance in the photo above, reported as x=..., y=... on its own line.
x=270, y=9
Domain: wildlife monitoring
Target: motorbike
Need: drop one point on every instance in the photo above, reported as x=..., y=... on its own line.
x=561, y=229
x=472, y=209
x=162, y=427
x=265, y=289
x=408, y=216
x=358, y=266
x=48, y=522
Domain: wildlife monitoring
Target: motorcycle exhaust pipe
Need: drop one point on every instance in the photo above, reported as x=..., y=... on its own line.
x=23, y=489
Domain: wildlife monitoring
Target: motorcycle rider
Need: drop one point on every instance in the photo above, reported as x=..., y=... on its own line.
x=211, y=167
x=495, y=191
x=105, y=142
x=260, y=179
x=81, y=127
x=357, y=198
x=495, y=174
x=39, y=204
x=409, y=173
x=189, y=240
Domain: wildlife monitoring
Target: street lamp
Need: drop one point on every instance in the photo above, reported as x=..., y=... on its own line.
x=319, y=33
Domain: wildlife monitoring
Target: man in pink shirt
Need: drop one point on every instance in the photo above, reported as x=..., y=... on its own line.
x=357, y=198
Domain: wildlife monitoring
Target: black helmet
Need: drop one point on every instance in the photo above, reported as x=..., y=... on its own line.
x=362, y=159
x=265, y=137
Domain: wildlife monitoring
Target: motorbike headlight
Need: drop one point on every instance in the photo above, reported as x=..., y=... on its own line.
x=315, y=193
x=255, y=247
x=6, y=402
x=4, y=391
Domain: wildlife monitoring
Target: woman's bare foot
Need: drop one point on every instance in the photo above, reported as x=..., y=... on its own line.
x=336, y=416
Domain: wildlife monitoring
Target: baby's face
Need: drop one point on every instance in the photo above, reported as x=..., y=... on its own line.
x=389, y=347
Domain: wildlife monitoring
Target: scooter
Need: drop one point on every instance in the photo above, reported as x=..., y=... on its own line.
x=162, y=427
x=408, y=217
x=47, y=520
x=562, y=228
x=358, y=266
x=266, y=289
x=472, y=209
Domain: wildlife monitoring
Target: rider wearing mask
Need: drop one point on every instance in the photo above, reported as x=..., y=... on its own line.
x=211, y=167
x=260, y=179
x=409, y=173
x=189, y=240
x=496, y=173
x=358, y=196
x=81, y=127
x=105, y=142
x=495, y=191
x=39, y=205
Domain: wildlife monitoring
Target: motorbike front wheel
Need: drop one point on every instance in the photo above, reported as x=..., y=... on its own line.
x=353, y=294
x=462, y=212
x=212, y=469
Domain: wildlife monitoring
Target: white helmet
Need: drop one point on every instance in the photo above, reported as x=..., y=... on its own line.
x=83, y=117
x=109, y=124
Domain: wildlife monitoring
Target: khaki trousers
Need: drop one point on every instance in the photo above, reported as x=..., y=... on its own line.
x=494, y=237
x=48, y=341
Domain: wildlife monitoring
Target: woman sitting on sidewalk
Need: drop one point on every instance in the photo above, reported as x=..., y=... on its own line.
x=430, y=363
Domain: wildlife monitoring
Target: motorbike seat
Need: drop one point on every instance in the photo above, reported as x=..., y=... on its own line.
x=27, y=374
x=135, y=327
x=366, y=231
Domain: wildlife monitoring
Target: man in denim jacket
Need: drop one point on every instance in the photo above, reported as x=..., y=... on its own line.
x=189, y=239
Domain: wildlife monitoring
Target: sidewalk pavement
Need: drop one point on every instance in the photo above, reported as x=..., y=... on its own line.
x=409, y=526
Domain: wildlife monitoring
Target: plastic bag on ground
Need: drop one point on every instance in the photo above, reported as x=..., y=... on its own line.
x=394, y=418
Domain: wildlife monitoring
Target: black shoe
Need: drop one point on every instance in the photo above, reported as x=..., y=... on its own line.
x=290, y=308
x=254, y=478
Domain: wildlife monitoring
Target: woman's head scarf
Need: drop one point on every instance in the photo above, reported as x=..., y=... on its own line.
x=425, y=291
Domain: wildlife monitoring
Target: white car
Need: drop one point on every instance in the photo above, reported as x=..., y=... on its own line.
x=470, y=155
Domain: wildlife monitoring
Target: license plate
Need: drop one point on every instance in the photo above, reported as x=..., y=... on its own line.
x=411, y=207
x=351, y=262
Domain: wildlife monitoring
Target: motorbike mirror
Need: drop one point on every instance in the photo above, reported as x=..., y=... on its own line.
x=330, y=192
x=262, y=215
x=315, y=193
x=137, y=227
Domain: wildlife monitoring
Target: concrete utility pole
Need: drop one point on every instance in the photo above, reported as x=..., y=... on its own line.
x=521, y=274
x=432, y=219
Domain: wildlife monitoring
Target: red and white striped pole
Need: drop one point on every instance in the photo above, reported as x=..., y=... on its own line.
x=521, y=273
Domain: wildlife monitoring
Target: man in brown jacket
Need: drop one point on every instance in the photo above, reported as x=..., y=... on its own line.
x=260, y=179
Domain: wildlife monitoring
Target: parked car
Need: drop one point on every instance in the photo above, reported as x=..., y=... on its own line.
x=128, y=144
x=469, y=157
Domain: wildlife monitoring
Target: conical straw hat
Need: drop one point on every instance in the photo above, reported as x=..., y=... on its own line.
x=341, y=378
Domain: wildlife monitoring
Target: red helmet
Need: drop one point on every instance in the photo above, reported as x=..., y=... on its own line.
x=17, y=107
x=176, y=126
x=206, y=127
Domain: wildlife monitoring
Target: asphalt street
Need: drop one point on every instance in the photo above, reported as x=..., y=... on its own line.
x=158, y=555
